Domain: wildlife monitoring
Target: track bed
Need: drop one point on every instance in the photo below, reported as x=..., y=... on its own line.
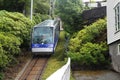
x=34, y=68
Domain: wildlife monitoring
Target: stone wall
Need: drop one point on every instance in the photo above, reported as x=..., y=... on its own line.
x=90, y=16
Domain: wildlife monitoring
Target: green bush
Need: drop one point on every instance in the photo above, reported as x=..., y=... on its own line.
x=10, y=43
x=85, y=49
x=88, y=34
x=3, y=57
x=9, y=47
x=93, y=53
x=14, y=33
x=16, y=24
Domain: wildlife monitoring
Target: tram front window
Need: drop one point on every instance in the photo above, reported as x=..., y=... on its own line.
x=42, y=35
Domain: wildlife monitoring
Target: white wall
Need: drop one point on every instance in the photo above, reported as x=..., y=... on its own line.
x=111, y=35
x=92, y=0
x=94, y=4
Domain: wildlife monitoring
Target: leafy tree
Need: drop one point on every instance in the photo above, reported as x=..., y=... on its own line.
x=69, y=11
x=41, y=6
x=40, y=17
x=23, y=6
x=13, y=5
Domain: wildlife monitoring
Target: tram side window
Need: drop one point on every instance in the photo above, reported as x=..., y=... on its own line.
x=57, y=32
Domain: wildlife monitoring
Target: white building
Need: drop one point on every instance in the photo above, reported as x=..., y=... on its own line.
x=94, y=3
x=113, y=31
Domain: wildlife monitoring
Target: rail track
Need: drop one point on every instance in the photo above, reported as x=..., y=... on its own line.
x=34, y=69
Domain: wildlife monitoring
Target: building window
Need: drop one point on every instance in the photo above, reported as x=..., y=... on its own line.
x=118, y=49
x=117, y=17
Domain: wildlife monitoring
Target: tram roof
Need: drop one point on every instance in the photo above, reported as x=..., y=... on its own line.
x=46, y=23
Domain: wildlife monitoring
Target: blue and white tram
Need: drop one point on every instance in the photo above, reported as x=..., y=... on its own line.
x=45, y=37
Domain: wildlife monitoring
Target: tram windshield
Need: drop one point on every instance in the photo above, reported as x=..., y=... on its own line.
x=42, y=35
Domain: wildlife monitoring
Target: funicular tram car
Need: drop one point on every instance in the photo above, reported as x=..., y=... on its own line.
x=45, y=37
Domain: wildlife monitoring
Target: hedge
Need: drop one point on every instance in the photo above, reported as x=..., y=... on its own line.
x=85, y=49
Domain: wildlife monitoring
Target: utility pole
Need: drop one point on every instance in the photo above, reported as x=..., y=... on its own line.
x=31, y=12
x=52, y=6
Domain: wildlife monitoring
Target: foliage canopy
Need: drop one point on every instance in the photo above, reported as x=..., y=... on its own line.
x=70, y=13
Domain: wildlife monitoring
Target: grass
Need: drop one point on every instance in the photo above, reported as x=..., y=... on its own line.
x=57, y=60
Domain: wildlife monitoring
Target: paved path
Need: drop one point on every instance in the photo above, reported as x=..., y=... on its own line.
x=96, y=75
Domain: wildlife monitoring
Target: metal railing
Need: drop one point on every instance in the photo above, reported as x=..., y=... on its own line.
x=61, y=74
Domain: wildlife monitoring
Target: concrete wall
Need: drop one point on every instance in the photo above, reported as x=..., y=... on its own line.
x=113, y=49
x=112, y=35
